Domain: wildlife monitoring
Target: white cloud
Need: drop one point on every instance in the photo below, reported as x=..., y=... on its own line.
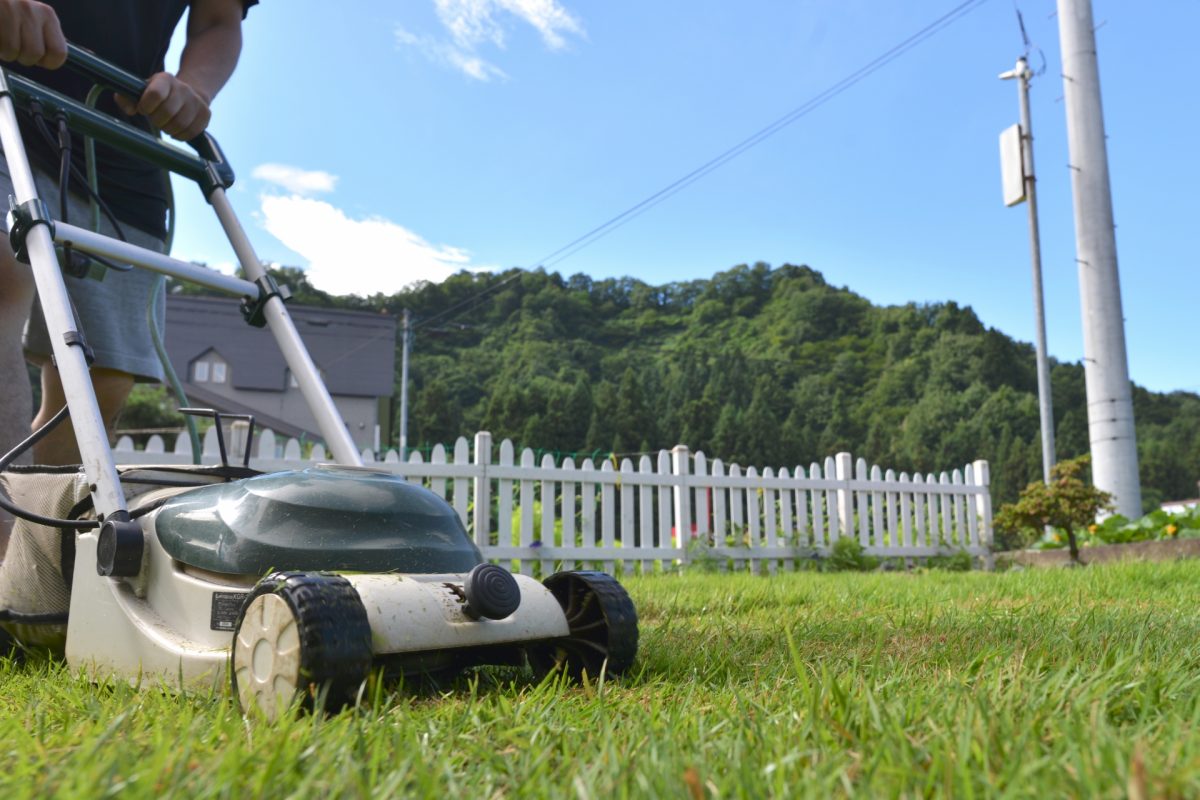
x=356, y=256
x=473, y=24
x=296, y=180
x=447, y=54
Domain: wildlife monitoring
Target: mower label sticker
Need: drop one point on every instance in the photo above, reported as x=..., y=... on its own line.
x=225, y=608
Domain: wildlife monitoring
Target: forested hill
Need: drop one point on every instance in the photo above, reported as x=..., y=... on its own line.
x=766, y=367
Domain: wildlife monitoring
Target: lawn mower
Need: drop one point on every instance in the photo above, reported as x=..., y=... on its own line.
x=294, y=586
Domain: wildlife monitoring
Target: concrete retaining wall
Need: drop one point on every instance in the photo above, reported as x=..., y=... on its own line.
x=1167, y=550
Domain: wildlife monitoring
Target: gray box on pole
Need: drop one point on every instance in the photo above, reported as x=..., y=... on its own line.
x=1012, y=167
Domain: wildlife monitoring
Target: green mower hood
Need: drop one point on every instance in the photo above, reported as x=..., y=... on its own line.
x=321, y=518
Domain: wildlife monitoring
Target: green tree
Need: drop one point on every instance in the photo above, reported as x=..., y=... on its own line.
x=766, y=366
x=1066, y=503
x=435, y=414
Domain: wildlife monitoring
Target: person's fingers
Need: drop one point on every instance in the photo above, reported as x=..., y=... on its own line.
x=167, y=110
x=31, y=48
x=158, y=89
x=171, y=106
x=196, y=126
x=125, y=103
x=10, y=37
x=54, y=42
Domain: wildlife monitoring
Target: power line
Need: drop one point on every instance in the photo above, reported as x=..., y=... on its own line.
x=472, y=299
x=756, y=138
x=631, y=213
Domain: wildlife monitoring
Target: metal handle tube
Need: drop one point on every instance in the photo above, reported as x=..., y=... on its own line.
x=329, y=420
x=56, y=306
x=104, y=128
x=92, y=66
x=112, y=76
x=125, y=253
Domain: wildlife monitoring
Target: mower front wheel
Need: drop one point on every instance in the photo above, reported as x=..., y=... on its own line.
x=300, y=638
x=603, y=627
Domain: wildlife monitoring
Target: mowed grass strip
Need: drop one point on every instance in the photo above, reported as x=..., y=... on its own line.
x=1082, y=683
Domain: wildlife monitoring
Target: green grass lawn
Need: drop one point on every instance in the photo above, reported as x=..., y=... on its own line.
x=1082, y=683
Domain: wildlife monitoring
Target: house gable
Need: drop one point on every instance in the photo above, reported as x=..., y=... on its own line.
x=355, y=351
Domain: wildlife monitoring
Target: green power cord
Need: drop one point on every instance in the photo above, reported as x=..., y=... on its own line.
x=89, y=149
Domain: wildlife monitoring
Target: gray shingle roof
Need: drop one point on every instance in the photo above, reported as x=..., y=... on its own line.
x=201, y=397
x=355, y=350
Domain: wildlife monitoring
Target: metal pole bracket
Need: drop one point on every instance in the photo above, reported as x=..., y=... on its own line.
x=253, y=308
x=22, y=217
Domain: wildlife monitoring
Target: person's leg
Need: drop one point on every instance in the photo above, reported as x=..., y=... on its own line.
x=16, y=395
x=59, y=447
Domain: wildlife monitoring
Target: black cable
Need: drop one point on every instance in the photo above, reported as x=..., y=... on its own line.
x=39, y=120
x=64, y=181
x=11, y=455
x=22, y=618
x=64, y=165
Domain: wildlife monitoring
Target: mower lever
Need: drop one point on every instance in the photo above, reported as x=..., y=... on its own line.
x=216, y=417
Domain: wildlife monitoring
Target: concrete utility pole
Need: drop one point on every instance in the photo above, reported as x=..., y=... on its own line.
x=1045, y=403
x=1110, y=404
x=407, y=347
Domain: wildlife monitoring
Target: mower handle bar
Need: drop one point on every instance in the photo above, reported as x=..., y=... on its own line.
x=90, y=65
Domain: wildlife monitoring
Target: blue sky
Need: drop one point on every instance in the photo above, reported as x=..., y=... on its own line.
x=379, y=143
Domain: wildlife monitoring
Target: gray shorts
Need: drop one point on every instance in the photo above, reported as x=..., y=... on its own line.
x=113, y=311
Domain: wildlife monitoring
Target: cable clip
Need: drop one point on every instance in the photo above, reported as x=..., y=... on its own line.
x=22, y=217
x=253, y=308
x=75, y=339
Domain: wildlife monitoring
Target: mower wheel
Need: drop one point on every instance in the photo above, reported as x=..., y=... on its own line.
x=300, y=637
x=602, y=623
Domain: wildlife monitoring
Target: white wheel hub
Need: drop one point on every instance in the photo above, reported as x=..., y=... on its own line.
x=266, y=656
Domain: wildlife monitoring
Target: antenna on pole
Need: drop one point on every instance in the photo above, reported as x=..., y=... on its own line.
x=1016, y=157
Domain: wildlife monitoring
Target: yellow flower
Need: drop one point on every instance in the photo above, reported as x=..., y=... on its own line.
x=1171, y=530
x=1091, y=528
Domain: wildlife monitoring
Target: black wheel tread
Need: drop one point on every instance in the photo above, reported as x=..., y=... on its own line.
x=335, y=637
x=602, y=621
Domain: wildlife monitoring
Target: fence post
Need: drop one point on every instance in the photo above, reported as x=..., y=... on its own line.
x=265, y=442
x=462, y=484
x=680, y=465
x=983, y=480
x=483, y=494
x=845, y=506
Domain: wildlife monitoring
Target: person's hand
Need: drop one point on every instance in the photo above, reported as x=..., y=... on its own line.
x=30, y=34
x=172, y=105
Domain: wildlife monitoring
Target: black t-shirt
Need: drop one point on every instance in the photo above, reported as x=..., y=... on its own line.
x=134, y=35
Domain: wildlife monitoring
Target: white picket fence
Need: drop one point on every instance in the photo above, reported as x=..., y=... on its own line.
x=659, y=513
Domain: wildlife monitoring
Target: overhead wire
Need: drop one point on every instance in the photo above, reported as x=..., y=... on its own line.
x=1029, y=46
x=628, y=215
x=472, y=299
x=890, y=55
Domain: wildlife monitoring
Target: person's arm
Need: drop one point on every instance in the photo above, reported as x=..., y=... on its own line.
x=179, y=104
x=31, y=35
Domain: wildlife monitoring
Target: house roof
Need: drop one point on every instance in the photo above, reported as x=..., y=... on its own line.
x=206, y=398
x=355, y=350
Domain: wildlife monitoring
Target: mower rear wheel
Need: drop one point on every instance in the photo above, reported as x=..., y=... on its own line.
x=300, y=638
x=603, y=627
